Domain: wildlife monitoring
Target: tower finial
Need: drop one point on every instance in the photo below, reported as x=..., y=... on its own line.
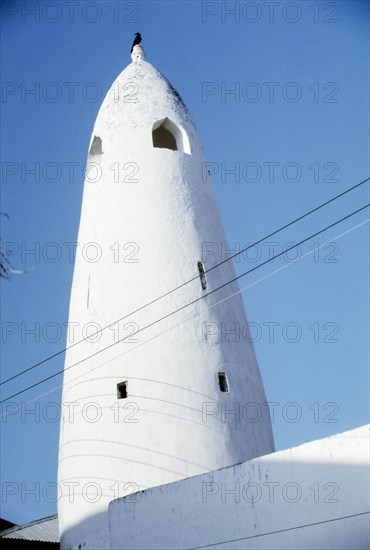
x=138, y=54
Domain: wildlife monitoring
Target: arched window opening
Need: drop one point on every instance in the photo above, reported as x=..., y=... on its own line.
x=167, y=135
x=163, y=139
x=96, y=146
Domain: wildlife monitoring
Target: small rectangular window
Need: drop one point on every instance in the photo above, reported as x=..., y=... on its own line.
x=122, y=390
x=222, y=380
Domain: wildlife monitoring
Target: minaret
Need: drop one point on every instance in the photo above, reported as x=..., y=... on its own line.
x=183, y=396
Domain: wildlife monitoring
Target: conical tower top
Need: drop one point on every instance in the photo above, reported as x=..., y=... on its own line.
x=139, y=101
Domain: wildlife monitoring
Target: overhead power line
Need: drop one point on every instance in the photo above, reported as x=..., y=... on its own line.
x=188, y=304
x=56, y=354
x=200, y=312
x=280, y=531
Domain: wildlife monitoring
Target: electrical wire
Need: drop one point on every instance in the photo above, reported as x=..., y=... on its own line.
x=279, y=531
x=56, y=354
x=186, y=305
x=198, y=313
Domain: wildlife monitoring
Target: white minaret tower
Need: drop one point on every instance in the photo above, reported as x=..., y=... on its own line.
x=182, y=396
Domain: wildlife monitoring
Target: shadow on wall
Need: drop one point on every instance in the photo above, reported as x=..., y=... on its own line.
x=92, y=533
x=261, y=504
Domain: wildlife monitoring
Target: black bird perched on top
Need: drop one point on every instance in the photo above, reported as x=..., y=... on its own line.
x=136, y=41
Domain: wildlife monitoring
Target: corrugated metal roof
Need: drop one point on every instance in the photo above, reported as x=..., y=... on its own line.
x=43, y=530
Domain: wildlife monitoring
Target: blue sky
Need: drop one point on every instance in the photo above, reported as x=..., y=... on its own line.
x=295, y=132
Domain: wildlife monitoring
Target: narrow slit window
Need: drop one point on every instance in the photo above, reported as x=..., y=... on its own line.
x=122, y=390
x=222, y=380
x=202, y=275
